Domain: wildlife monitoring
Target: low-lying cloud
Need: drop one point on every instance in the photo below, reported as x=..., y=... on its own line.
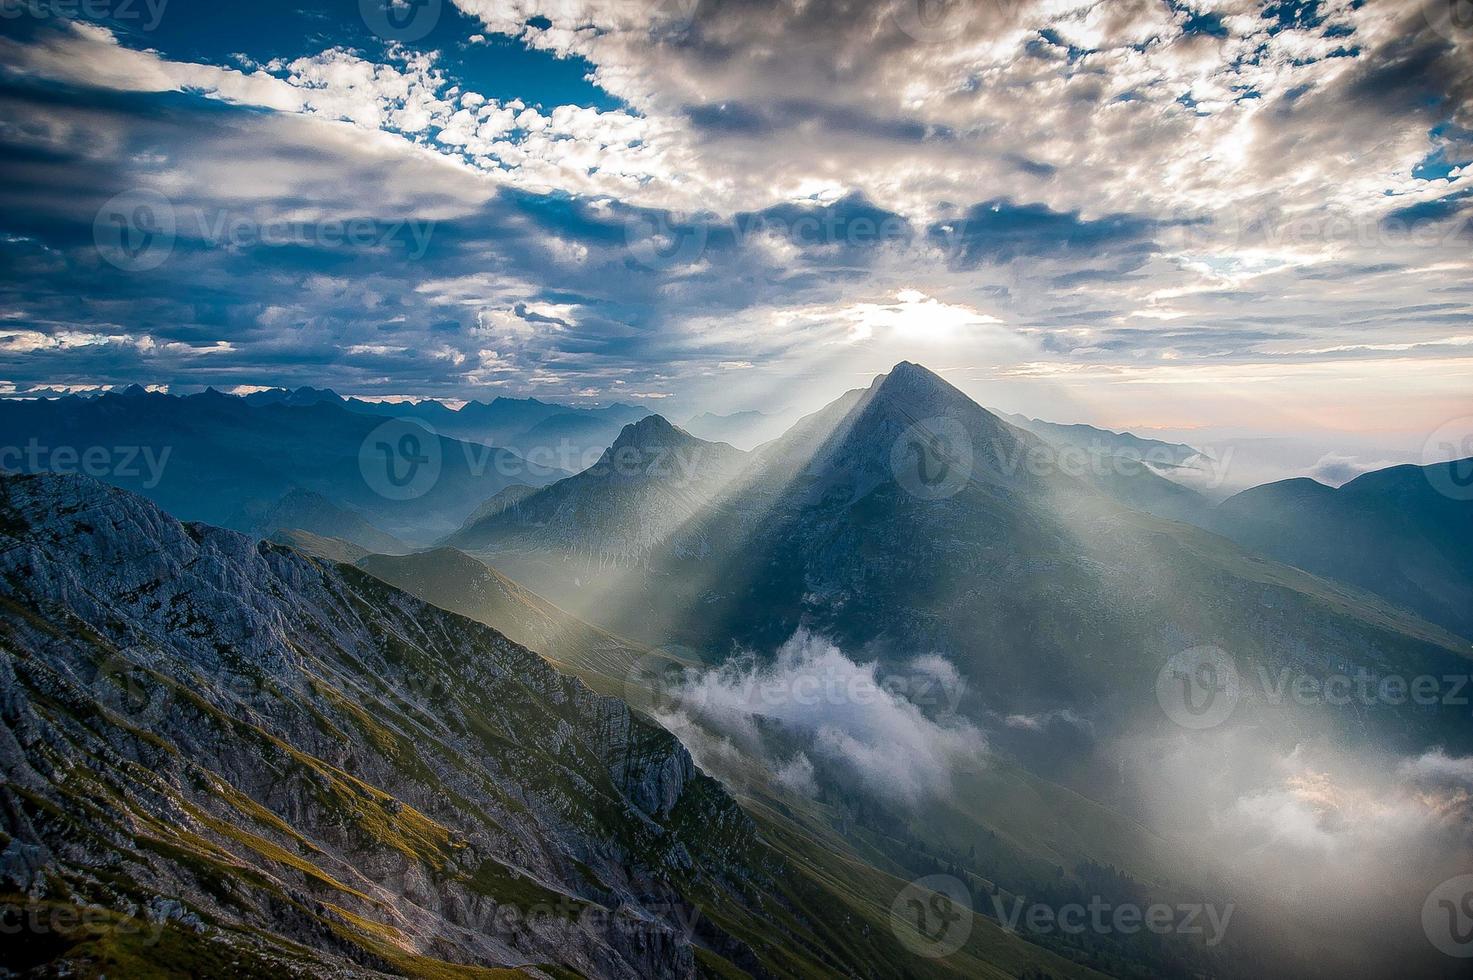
x=894, y=731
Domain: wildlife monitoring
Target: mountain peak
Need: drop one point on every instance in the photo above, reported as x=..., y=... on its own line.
x=907, y=375
x=650, y=431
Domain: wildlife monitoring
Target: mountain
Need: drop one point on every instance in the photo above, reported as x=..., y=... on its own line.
x=745, y=430
x=1404, y=533
x=1125, y=466
x=560, y=435
x=1107, y=443
x=211, y=457
x=905, y=518
x=239, y=760
x=332, y=549
x=644, y=486
x=303, y=510
x=461, y=584
x=511, y=496
x=298, y=398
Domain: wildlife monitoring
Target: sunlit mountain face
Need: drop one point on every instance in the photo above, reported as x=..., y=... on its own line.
x=683, y=489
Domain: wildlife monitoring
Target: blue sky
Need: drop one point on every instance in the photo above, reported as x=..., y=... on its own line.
x=1197, y=213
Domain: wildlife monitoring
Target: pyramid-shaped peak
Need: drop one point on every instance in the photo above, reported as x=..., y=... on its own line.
x=909, y=383
x=652, y=430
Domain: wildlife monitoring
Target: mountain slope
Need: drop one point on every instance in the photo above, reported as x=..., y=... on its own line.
x=1124, y=466
x=254, y=763
x=1392, y=532
x=332, y=549
x=461, y=584
x=650, y=480
x=303, y=510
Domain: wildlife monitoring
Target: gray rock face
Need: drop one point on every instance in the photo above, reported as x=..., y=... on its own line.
x=213, y=736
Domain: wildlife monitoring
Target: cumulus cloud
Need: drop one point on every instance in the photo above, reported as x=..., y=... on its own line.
x=856, y=717
x=1119, y=200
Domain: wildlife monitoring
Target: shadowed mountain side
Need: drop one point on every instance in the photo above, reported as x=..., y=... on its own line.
x=1404, y=533
x=302, y=510
x=461, y=584
x=653, y=479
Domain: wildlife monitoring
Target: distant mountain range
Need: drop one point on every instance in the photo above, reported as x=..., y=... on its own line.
x=1107, y=443
x=222, y=459
x=744, y=430
x=1403, y=533
x=558, y=435
x=303, y=510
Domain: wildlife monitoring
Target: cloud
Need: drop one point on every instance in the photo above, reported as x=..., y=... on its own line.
x=847, y=715
x=1334, y=469
x=1136, y=192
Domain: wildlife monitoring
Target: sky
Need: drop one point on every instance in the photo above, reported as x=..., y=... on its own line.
x=1201, y=214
